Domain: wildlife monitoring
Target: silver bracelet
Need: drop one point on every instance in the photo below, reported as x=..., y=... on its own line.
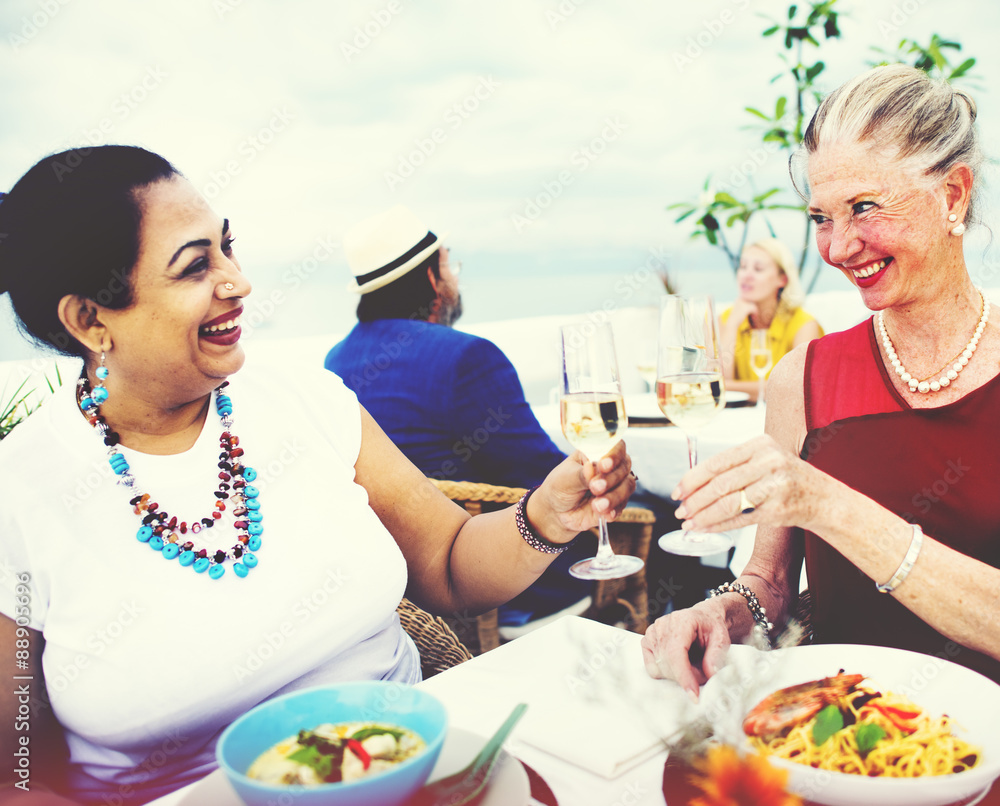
x=916, y=542
x=536, y=541
x=760, y=621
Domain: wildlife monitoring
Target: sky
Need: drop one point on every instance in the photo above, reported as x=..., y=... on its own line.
x=546, y=137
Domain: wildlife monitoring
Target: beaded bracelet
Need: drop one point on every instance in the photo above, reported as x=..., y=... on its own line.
x=536, y=541
x=756, y=609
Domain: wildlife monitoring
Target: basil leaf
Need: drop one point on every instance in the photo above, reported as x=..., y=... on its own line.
x=311, y=757
x=867, y=736
x=828, y=722
x=364, y=733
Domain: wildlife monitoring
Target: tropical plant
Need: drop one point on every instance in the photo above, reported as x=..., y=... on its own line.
x=17, y=408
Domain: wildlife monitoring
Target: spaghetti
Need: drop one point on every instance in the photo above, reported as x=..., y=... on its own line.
x=861, y=732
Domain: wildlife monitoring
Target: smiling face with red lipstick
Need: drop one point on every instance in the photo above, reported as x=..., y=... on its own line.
x=883, y=225
x=180, y=336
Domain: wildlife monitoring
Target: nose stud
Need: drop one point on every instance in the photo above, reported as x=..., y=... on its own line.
x=229, y=286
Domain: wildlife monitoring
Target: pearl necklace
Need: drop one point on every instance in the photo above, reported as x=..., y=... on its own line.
x=950, y=370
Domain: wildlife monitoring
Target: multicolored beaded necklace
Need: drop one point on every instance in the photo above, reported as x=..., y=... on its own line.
x=161, y=531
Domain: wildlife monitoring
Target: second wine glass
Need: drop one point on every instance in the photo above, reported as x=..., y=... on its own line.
x=761, y=359
x=592, y=414
x=690, y=392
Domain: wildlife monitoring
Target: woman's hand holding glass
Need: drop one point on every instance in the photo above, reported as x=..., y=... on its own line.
x=690, y=392
x=592, y=414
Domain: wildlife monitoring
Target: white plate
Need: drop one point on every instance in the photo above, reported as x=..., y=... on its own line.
x=937, y=685
x=644, y=407
x=508, y=785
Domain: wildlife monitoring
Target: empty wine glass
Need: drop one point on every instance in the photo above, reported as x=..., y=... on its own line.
x=592, y=414
x=761, y=359
x=690, y=392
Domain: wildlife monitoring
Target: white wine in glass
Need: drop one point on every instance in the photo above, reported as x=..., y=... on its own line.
x=592, y=414
x=761, y=359
x=690, y=392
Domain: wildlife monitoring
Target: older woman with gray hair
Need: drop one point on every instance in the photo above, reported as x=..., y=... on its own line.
x=880, y=465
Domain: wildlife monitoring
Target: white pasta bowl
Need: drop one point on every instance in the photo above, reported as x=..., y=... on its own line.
x=935, y=684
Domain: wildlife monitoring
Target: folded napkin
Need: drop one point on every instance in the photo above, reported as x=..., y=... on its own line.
x=597, y=708
x=590, y=737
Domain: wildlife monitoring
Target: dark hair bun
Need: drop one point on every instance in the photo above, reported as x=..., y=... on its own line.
x=71, y=226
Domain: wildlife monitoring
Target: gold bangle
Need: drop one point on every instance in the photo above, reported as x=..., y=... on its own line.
x=908, y=562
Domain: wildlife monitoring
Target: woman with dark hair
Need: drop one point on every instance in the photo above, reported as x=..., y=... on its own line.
x=880, y=467
x=151, y=606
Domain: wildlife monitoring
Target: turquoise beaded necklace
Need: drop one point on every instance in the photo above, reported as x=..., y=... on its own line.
x=163, y=532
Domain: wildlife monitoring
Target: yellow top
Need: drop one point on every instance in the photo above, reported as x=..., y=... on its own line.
x=780, y=338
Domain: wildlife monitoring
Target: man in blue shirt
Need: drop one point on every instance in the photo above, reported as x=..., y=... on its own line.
x=450, y=401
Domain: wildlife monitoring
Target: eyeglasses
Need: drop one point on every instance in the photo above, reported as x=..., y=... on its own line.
x=456, y=267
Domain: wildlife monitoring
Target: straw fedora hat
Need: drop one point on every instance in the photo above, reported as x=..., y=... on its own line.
x=386, y=246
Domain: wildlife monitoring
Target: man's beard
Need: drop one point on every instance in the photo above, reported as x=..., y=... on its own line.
x=449, y=312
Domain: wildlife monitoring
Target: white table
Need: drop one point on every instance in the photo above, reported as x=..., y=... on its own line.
x=569, y=668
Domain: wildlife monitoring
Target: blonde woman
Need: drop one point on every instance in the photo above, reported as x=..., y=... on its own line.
x=770, y=298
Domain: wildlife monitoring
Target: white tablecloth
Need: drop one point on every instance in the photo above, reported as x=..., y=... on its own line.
x=582, y=672
x=588, y=672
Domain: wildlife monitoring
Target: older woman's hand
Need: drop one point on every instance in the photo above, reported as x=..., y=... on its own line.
x=687, y=646
x=578, y=492
x=779, y=489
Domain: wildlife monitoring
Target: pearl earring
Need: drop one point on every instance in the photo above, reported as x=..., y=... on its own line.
x=953, y=218
x=958, y=230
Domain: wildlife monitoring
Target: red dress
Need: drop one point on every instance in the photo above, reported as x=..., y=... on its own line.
x=939, y=468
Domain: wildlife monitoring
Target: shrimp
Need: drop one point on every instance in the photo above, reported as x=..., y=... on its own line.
x=796, y=704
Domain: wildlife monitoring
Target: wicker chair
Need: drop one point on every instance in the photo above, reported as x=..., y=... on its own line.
x=437, y=643
x=613, y=600
x=803, y=615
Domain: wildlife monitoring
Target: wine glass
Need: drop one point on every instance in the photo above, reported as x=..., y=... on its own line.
x=761, y=359
x=690, y=392
x=592, y=414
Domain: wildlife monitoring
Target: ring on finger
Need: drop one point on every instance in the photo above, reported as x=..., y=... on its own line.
x=746, y=505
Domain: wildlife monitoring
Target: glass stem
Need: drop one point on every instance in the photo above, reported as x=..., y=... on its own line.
x=605, y=556
x=760, y=390
x=692, y=449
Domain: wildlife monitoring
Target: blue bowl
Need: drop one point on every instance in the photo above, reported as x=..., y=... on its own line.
x=378, y=701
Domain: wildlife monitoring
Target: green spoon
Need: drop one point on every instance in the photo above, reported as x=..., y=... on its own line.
x=467, y=784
